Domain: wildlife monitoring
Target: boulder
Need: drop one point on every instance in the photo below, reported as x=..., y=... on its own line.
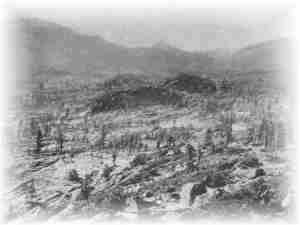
x=249, y=162
x=148, y=194
x=74, y=176
x=201, y=200
x=175, y=196
x=171, y=189
x=227, y=165
x=185, y=194
x=116, y=201
x=197, y=189
x=106, y=172
x=239, y=173
x=216, y=180
x=259, y=172
x=140, y=159
x=257, y=190
x=131, y=205
x=190, y=191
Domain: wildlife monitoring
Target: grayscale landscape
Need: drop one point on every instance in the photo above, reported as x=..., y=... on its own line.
x=180, y=128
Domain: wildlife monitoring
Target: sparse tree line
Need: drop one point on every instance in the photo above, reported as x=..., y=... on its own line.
x=266, y=130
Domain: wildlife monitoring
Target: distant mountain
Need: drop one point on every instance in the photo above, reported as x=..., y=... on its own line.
x=269, y=55
x=51, y=47
x=54, y=50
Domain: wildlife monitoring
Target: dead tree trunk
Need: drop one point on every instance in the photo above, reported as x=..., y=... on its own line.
x=227, y=121
x=38, y=141
x=103, y=137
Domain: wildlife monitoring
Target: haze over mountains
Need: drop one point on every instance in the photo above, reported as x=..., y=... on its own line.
x=52, y=48
x=197, y=29
x=269, y=55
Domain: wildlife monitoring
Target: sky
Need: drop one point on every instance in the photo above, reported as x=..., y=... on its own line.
x=191, y=29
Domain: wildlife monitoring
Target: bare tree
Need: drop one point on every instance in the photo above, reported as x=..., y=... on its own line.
x=103, y=137
x=38, y=141
x=227, y=122
x=208, y=139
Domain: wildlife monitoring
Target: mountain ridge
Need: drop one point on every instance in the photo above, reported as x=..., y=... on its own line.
x=52, y=47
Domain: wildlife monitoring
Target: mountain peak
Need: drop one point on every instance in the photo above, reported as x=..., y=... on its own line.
x=163, y=45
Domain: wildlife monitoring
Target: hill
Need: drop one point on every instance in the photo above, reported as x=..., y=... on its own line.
x=191, y=83
x=134, y=98
x=53, y=47
x=269, y=55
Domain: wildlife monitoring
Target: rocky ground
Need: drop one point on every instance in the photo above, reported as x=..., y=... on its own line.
x=242, y=179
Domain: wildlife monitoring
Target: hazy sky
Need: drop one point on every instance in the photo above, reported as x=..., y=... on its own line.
x=190, y=29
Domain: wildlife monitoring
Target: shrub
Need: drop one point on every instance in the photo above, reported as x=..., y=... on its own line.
x=74, y=176
x=140, y=159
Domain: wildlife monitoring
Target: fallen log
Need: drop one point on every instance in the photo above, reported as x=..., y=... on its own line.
x=44, y=165
x=20, y=186
x=43, y=204
x=41, y=165
x=33, y=204
x=136, y=173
